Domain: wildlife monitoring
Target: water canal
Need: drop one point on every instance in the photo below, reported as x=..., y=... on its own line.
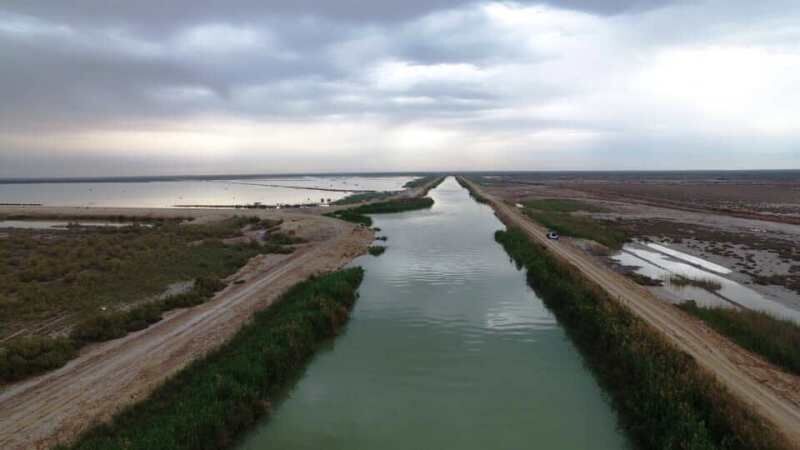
x=446, y=348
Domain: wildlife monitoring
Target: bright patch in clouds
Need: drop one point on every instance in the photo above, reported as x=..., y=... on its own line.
x=402, y=75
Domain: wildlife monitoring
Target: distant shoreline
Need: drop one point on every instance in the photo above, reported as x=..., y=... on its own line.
x=211, y=177
x=549, y=173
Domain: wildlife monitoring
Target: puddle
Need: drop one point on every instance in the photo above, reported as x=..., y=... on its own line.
x=708, y=265
x=659, y=262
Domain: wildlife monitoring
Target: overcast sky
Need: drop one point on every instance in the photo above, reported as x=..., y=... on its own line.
x=99, y=87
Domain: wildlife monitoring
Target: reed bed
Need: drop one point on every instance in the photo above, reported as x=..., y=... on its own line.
x=775, y=339
x=207, y=405
x=664, y=399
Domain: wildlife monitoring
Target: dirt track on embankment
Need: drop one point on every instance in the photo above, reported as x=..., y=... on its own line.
x=770, y=392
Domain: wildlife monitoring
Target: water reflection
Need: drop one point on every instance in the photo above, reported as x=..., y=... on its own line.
x=661, y=265
x=161, y=194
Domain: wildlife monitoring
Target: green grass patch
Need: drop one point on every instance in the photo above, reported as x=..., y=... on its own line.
x=777, y=340
x=211, y=402
x=582, y=227
x=664, y=399
x=359, y=214
x=564, y=205
x=363, y=197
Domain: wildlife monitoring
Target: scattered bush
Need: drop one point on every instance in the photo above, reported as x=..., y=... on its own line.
x=644, y=280
x=278, y=238
x=22, y=357
x=702, y=283
x=376, y=250
x=113, y=325
x=350, y=215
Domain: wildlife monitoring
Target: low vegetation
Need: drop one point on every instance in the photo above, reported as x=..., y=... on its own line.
x=102, y=283
x=472, y=193
x=567, y=224
x=359, y=214
x=419, y=182
x=665, y=400
x=564, y=205
x=350, y=215
x=26, y=356
x=363, y=197
x=208, y=404
x=556, y=215
x=644, y=280
x=78, y=271
x=113, y=325
x=395, y=206
x=778, y=341
x=376, y=250
x=30, y=355
x=702, y=283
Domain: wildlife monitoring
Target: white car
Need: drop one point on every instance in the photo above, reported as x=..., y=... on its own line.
x=553, y=236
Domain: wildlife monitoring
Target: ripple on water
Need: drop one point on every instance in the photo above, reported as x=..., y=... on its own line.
x=447, y=348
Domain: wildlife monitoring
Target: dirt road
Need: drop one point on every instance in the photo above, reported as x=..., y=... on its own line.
x=773, y=394
x=56, y=406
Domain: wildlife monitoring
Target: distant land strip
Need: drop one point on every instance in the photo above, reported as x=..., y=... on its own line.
x=304, y=188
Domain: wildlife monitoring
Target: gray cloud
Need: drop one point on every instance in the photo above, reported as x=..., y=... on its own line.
x=574, y=76
x=166, y=15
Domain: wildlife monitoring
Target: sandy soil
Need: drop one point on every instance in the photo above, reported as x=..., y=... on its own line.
x=51, y=408
x=770, y=392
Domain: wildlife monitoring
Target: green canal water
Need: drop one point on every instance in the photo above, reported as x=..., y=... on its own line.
x=447, y=348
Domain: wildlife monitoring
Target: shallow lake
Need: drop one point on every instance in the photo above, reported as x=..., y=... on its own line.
x=447, y=348
x=165, y=194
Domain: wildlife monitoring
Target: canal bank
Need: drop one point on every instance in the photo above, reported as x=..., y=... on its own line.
x=447, y=348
